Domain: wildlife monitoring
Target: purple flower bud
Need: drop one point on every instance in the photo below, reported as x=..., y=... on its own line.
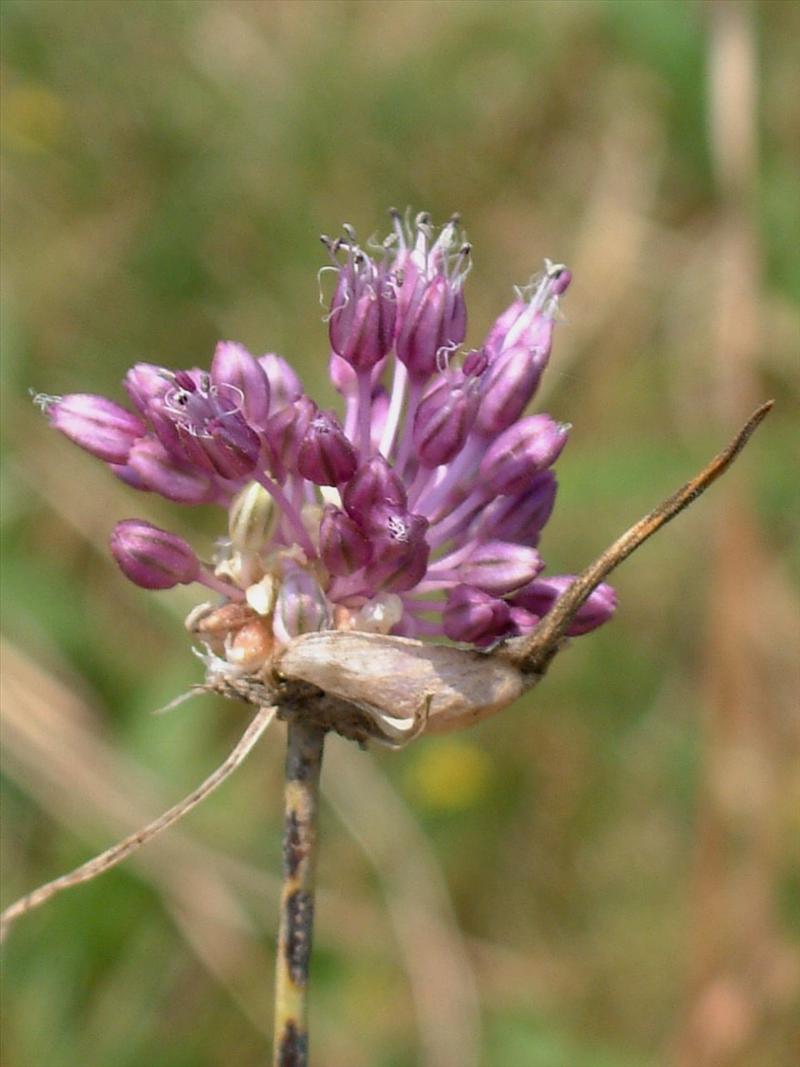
x=443, y=420
x=436, y=319
x=532, y=331
x=284, y=432
x=399, y=550
x=98, y=425
x=228, y=446
x=153, y=558
x=128, y=475
x=325, y=455
x=500, y=567
x=144, y=383
x=528, y=321
x=234, y=368
x=539, y=596
x=474, y=616
x=523, y=450
x=342, y=375
x=519, y=517
x=374, y=484
x=147, y=385
x=409, y=572
x=301, y=607
x=284, y=385
x=498, y=331
x=508, y=386
x=363, y=310
x=161, y=472
x=342, y=545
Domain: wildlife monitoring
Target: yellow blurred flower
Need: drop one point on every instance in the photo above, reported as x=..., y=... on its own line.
x=33, y=118
x=449, y=775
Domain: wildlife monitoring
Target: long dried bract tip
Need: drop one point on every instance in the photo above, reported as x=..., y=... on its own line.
x=122, y=849
x=533, y=653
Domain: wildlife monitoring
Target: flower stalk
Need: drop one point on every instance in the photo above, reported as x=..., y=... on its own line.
x=304, y=747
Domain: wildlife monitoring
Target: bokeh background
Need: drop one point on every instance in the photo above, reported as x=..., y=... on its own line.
x=606, y=875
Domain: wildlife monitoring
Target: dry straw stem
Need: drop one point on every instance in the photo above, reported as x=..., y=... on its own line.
x=122, y=849
x=530, y=656
x=533, y=654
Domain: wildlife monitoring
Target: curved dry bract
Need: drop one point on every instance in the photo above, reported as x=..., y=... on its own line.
x=403, y=677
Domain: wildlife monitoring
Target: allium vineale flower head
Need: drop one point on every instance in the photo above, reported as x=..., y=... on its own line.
x=417, y=513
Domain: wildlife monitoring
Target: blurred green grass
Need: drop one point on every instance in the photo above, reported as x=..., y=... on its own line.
x=167, y=169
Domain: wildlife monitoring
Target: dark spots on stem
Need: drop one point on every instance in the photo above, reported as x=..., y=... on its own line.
x=299, y=925
x=293, y=1046
x=294, y=848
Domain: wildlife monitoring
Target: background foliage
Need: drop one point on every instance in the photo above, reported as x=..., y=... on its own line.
x=602, y=876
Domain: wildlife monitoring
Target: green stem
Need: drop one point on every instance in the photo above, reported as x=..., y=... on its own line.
x=303, y=765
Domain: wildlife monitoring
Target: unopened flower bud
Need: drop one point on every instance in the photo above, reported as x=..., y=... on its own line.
x=342, y=545
x=406, y=573
x=436, y=319
x=231, y=447
x=498, y=331
x=528, y=321
x=342, y=375
x=252, y=518
x=147, y=385
x=151, y=557
x=400, y=552
x=363, y=310
x=234, y=368
x=507, y=387
x=144, y=383
x=523, y=450
x=519, y=517
x=284, y=432
x=98, y=425
x=500, y=567
x=443, y=420
x=325, y=456
x=161, y=472
x=301, y=607
x=375, y=483
x=474, y=616
x=126, y=474
x=539, y=596
x=284, y=384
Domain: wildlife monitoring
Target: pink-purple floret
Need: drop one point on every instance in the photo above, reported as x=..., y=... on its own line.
x=437, y=486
